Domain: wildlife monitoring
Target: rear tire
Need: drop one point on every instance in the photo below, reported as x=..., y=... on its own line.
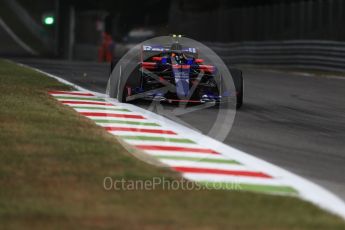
x=238, y=82
x=239, y=97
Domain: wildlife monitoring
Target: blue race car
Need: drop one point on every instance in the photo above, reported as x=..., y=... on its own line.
x=176, y=74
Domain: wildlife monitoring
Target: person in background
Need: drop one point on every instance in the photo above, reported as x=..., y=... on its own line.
x=106, y=48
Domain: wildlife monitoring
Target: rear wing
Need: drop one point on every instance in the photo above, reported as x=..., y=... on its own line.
x=166, y=49
x=152, y=50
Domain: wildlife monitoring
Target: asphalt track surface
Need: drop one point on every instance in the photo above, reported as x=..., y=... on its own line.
x=294, y=121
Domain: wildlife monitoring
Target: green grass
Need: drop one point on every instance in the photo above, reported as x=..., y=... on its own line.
x=53, y=163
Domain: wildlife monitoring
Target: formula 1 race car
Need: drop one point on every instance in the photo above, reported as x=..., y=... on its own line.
x=176, y=74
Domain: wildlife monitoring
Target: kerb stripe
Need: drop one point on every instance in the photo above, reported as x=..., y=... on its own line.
x=173, y=148
x=70, y=93
x=160, y=131
x=222, y=172
x=112, y=115
x=86, y=102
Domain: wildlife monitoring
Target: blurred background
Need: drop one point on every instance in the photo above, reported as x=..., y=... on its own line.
x=299, y=33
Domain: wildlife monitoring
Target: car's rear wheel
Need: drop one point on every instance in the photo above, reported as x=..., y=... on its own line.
x=238, y=82
x=239, y=97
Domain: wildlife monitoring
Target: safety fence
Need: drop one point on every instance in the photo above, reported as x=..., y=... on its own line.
x=310, y=54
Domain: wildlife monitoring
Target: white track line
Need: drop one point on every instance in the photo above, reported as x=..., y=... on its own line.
x=235, y=179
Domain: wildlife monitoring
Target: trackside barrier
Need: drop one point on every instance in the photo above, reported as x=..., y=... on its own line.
x=308, y=54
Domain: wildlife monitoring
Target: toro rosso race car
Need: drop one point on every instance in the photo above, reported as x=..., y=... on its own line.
x=176, y=74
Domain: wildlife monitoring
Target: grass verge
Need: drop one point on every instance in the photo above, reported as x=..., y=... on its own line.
x=53, y=163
